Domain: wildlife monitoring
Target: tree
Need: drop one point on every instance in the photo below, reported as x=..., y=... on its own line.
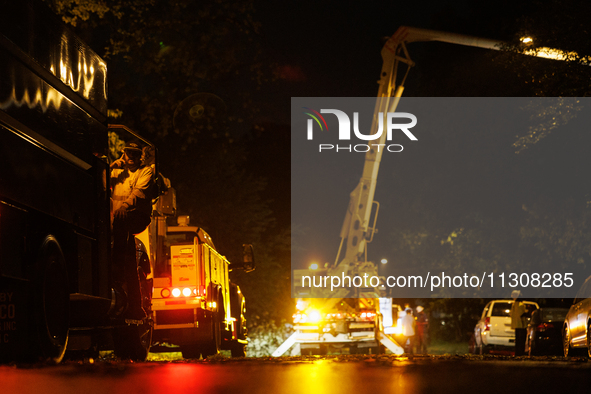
x=161, y=51
x=560, y=233
x=569, y=34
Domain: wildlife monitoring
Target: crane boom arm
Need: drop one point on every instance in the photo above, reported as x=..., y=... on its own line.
x=356, y=227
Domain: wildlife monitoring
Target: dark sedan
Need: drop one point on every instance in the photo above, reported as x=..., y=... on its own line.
x=544, y=331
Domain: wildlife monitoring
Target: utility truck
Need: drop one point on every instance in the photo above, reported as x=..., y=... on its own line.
x=327, y=319
x=196, y=306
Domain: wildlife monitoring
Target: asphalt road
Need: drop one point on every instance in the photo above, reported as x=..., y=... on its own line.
x=305, y=375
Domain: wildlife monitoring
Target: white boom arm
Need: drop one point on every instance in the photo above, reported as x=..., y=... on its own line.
x=356, y=226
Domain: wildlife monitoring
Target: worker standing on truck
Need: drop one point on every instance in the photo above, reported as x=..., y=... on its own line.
x=132, y=184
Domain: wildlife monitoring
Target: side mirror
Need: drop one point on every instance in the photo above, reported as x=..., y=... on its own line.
x=167, y=202
x=247, y=263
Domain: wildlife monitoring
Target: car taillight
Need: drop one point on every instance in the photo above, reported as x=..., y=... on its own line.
x=487, y=324
x=545, y=326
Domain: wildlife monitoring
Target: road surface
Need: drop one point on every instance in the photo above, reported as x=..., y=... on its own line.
x=305, y=375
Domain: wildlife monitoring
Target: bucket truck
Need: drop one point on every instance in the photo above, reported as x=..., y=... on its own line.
x=328, y=319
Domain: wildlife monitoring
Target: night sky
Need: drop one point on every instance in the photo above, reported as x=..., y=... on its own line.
x=332, y=49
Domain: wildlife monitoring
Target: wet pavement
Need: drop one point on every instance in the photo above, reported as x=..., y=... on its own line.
x=307, y=375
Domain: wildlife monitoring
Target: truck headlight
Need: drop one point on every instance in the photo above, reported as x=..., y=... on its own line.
x=314, y=316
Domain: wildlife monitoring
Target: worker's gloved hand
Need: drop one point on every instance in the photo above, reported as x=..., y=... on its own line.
x=121, y=212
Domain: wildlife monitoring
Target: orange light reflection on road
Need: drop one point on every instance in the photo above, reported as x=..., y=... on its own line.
x=320, y=377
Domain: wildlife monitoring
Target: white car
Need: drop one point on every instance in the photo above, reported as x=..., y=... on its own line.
x=493, y=330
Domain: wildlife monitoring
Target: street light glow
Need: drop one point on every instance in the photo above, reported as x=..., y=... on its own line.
x=526, y=40
x=384, y=261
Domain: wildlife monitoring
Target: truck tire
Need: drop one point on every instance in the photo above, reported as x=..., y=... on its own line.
x=238, y=350
x=377, y=349
x=134, y=341
x=191, y=351
x=50, y=303
x=322, y=350
x=212, y=347
x=238, y=308
x=77, y=355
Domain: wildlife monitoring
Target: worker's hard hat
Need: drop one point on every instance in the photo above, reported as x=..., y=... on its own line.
x=132, y=146
x=419, y=309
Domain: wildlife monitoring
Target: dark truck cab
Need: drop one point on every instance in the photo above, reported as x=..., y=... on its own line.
x=56, y=289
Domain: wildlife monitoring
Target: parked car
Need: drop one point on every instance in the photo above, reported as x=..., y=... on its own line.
x=544, y=331
x=493, y=331
x=575, y=331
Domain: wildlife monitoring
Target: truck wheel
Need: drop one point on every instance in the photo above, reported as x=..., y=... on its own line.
x=77, y=355
x=380, y=349
x=191, y=351
x=133, y=342
x=51, y=303
x=238, y=350
x=241, y=329
x=322, y=350
x=212, y=347
x=238, y=309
